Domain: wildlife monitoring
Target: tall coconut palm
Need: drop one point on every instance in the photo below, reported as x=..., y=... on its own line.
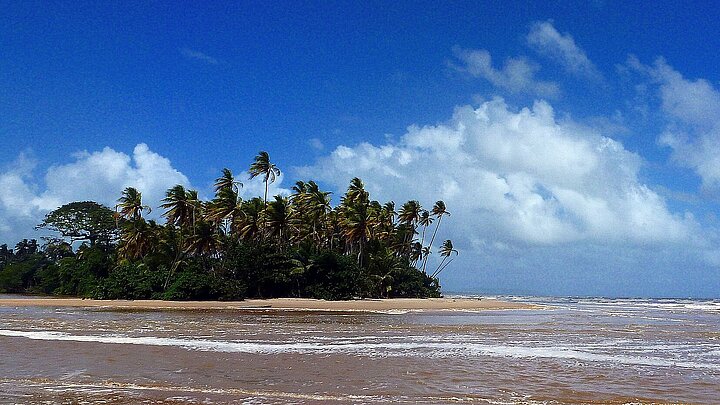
x=356, y=228
x=248, y=223
x=226, y=203
x=263, y=167
x=130, y=204
x=227, y=181
x=446, y=250
x=424, y=221
x=279, y=219
x=181, y=206
x=316, y=206
x=439, y=211
x=205, y=240
x=356, y=193
x=139, y=237
x=386, y=227
x=409, y=215
x=221, y=209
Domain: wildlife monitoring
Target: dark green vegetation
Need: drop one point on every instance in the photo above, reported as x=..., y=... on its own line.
x=228, y=249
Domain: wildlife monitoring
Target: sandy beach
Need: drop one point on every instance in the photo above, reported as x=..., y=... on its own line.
x=298, y=304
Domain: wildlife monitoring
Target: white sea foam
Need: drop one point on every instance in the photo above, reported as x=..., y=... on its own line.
x=378, y=348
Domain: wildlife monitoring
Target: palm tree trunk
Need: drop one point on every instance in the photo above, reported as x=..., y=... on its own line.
x=438, y=270
x=431, y=240
x=437, y=273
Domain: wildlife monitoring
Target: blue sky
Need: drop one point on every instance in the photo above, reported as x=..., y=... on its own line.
x=577, y=145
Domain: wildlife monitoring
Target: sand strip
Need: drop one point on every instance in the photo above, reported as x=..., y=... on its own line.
x=299, y=304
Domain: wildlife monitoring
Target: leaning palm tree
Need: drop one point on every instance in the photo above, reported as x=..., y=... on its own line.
x=438, y=210
x=262, y=166
x=425, y=221
x=445, y=251
x=130, y=204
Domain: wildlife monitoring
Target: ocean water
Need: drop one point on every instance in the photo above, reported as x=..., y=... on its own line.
x=574, y=351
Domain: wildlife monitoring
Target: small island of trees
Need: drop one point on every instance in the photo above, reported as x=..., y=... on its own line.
x=231, y=249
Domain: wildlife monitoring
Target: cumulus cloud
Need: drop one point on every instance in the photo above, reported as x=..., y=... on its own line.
x=546, y=40
x=517, y=74
x=516, y=177
x=99, y=176
x=692, y=111
x=531, y=197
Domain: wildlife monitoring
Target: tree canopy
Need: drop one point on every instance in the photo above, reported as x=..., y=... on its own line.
x=83, y=221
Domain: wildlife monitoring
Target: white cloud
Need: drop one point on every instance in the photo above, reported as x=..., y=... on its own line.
x=197, y=55
x=515, y=177
x=98, y=176
x=546, y=40
x=692, y=111
x=539, y=205
x=101, y=176
x=256, y=187
x=517, y=74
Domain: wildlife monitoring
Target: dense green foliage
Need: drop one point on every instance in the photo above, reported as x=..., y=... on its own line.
x=229, y=249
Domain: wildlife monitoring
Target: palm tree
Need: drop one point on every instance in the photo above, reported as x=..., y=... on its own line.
x=205, y=241
x=223, y=207
x=181, y=206
x=445, y=251
x=262, y=166
x=386, y=226
x=279, y=218
x=438, y=210
x=316, y=207
x=409, y=215
x=138, y=239
x=227, y=181
x=130, y=204
x=356, y=193
x=425, y=221
x=226, y=203
x=356, y=228
x=247, y=224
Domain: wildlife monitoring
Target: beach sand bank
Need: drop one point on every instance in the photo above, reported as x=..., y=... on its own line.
x=297, y=304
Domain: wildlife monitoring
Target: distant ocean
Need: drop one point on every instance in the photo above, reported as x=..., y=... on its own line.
x=579, y=350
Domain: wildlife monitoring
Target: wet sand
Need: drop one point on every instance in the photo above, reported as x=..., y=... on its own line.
x=292, y=304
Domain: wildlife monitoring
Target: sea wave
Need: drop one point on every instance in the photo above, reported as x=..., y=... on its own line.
x=373, y=347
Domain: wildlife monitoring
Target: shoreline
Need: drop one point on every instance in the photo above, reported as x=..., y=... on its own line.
x=285, y=304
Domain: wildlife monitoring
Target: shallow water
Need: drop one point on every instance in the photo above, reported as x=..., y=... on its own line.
x=578, y=351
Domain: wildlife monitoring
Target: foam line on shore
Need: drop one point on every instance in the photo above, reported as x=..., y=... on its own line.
x=413, y=348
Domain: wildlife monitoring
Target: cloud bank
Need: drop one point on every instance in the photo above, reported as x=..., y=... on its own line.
x=523, y=175
x=531, y=196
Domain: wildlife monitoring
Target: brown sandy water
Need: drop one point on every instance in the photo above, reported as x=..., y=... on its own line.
x=580, y=351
